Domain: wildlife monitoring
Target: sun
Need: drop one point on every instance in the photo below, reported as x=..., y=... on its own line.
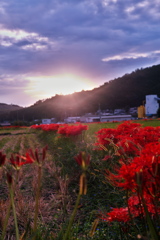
x=48, y=86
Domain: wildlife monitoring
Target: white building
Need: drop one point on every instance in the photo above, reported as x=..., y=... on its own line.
x=118, y=118
x=106, y=118
x=152, y=105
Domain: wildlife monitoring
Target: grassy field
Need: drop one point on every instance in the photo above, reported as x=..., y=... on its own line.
x=60, y=185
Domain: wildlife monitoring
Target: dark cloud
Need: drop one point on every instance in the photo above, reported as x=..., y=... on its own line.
x=23, y=43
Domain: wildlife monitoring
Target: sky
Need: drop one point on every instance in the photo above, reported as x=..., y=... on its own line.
x=50, y=47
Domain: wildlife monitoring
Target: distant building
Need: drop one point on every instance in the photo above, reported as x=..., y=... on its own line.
x=105, y=118
x=118, y=118
x=90, y=118
x=119, y=111
x=72, y=119
x=48, y=120
x=5, y=124
x=133, y=110
x=152, y=105
x=101, y=117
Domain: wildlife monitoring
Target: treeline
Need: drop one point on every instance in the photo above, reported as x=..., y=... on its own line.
x=8, y=107
x=123, y=92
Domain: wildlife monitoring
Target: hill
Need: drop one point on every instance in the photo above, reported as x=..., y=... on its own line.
x=123, y=92
x=8, y=108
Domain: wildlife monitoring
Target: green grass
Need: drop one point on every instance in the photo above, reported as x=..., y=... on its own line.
x=149, y=122
x=4, y=141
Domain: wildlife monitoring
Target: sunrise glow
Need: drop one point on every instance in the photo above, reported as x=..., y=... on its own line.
x=48, y=86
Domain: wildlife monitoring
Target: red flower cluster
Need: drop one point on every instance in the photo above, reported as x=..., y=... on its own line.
x=63, y=129
x=35, y=156
x=17, y=161
x=47, y=127
x=117, y=214
x=72, y=130
x=140, y=174
x=129, y=137
x=8, y=127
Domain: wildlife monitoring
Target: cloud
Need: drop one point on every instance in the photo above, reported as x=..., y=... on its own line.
x=132, y=56
x=13, y=90
x=9, y=83
x=23, y=39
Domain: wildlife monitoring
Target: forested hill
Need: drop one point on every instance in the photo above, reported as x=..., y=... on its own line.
x=8, y=107
x=123, y=92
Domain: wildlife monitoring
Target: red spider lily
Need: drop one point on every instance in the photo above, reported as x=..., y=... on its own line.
x=146, y=163
x=50, y=127
x=142, y=178
x=147, y=135
x=36, y=126
x=83, y=160
x=136, y=209
x=65, y=129
x=104, y=134
x=35, y=156
x=136, y=205
x=128, y=146
x=125, y=176
x=125, y=130
x=17, y=161
x=128, y=127
x=138, y=172
x=117, y=214
x=129, y=137
x=2, y=159
x=72, y=130
x=46, y=127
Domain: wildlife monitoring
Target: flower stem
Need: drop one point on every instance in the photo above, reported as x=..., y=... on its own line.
x=37, y=197
x=14, y=212
x=152, y=228
x=6, y=221
x=72, y=218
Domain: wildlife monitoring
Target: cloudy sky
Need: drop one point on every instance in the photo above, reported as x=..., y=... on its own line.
x=50, y=47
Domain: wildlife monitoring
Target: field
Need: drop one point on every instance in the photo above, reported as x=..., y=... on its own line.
x=62, y=188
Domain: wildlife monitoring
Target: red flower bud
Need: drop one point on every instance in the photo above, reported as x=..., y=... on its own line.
x=2, y=159
x=83, y=160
